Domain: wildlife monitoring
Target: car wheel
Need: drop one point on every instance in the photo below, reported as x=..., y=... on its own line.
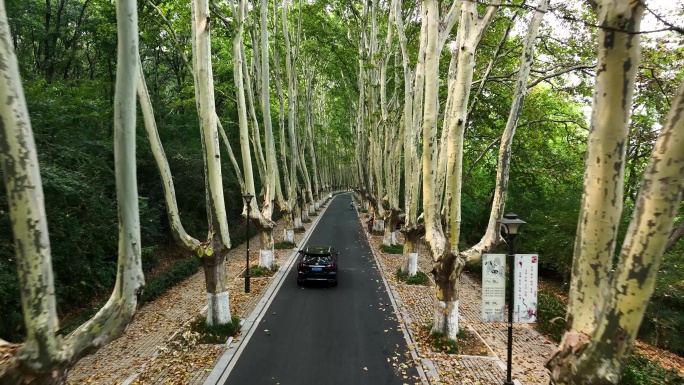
x=299, y=283
x=334, y=283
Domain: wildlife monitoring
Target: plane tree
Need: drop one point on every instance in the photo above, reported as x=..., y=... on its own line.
x=45, y=357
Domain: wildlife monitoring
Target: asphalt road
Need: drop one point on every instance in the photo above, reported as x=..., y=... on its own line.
x=316, y=334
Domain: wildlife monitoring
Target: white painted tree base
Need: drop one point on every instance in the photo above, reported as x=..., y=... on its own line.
x=389, y=238
x=446, y=318
x=218, y=312
x=411, y=265
x=298, y=222
x=267, y=258
x=289, y=235
x=379, y=225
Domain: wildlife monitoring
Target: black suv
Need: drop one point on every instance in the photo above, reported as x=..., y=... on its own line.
x=318, y=263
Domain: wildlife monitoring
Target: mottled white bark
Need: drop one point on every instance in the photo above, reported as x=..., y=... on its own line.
x=434, y=235
x=45, y=358
x=177, y=229
x=411, y=132
x=470, y=32
x=606, y=308
x=444, y=241
x=291, y=111
x=618, y=60
x=492, y=234
x=599, y=358
x=285, y=203
x=213, y=260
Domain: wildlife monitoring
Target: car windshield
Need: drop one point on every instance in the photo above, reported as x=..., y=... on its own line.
x=317, y=259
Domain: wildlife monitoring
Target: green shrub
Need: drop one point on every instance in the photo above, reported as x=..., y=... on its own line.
x=642, y=371
x=284, y=245
x=440, y=343
x=259, y=271
x=550, y=315
x=300, y=230
x=419, y=279
x=475, y=268
x=664, y=319
x=11, y=325
x=393, y=249
x=150, y=258
x=215, y=334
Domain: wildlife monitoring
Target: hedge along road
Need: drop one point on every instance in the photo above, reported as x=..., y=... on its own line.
x=319, y=334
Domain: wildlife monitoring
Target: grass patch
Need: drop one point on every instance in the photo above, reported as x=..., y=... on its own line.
x=419, y=279
x=214, y=334
x=284, y=245
x=364, y=210
x=394, y=249
x=259, y=271
x=300, y=229
x=378, y=233
x=440, y=343
x=641, y=371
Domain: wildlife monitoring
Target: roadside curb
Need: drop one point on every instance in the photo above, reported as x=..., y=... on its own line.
x=219, y=374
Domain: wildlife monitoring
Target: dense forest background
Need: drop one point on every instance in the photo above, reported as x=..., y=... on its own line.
x=67, y=58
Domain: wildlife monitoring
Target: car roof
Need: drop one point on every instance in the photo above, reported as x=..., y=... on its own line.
x=318, y=250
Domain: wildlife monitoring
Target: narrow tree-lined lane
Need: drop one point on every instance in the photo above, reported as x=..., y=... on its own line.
x=317, y=334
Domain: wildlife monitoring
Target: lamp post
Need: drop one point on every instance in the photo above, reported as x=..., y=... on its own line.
x=248, y=199
x=510, y=224
x=301, y=204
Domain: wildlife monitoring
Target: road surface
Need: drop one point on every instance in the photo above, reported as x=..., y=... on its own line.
x=318, y=334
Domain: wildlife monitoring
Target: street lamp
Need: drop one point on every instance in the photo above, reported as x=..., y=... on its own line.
x=511, y=224
x=301, y=204
x=248, y=200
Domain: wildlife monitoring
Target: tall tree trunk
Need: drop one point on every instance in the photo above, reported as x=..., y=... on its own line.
x=44, y=358
x=493, y=234
x=291, y=112
x=267, y=252
x=213, y=255
x=599, y=358
x=411, y=132
x=177, y=229
x=288, y=203
x=605, y=308
x=434, y=234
